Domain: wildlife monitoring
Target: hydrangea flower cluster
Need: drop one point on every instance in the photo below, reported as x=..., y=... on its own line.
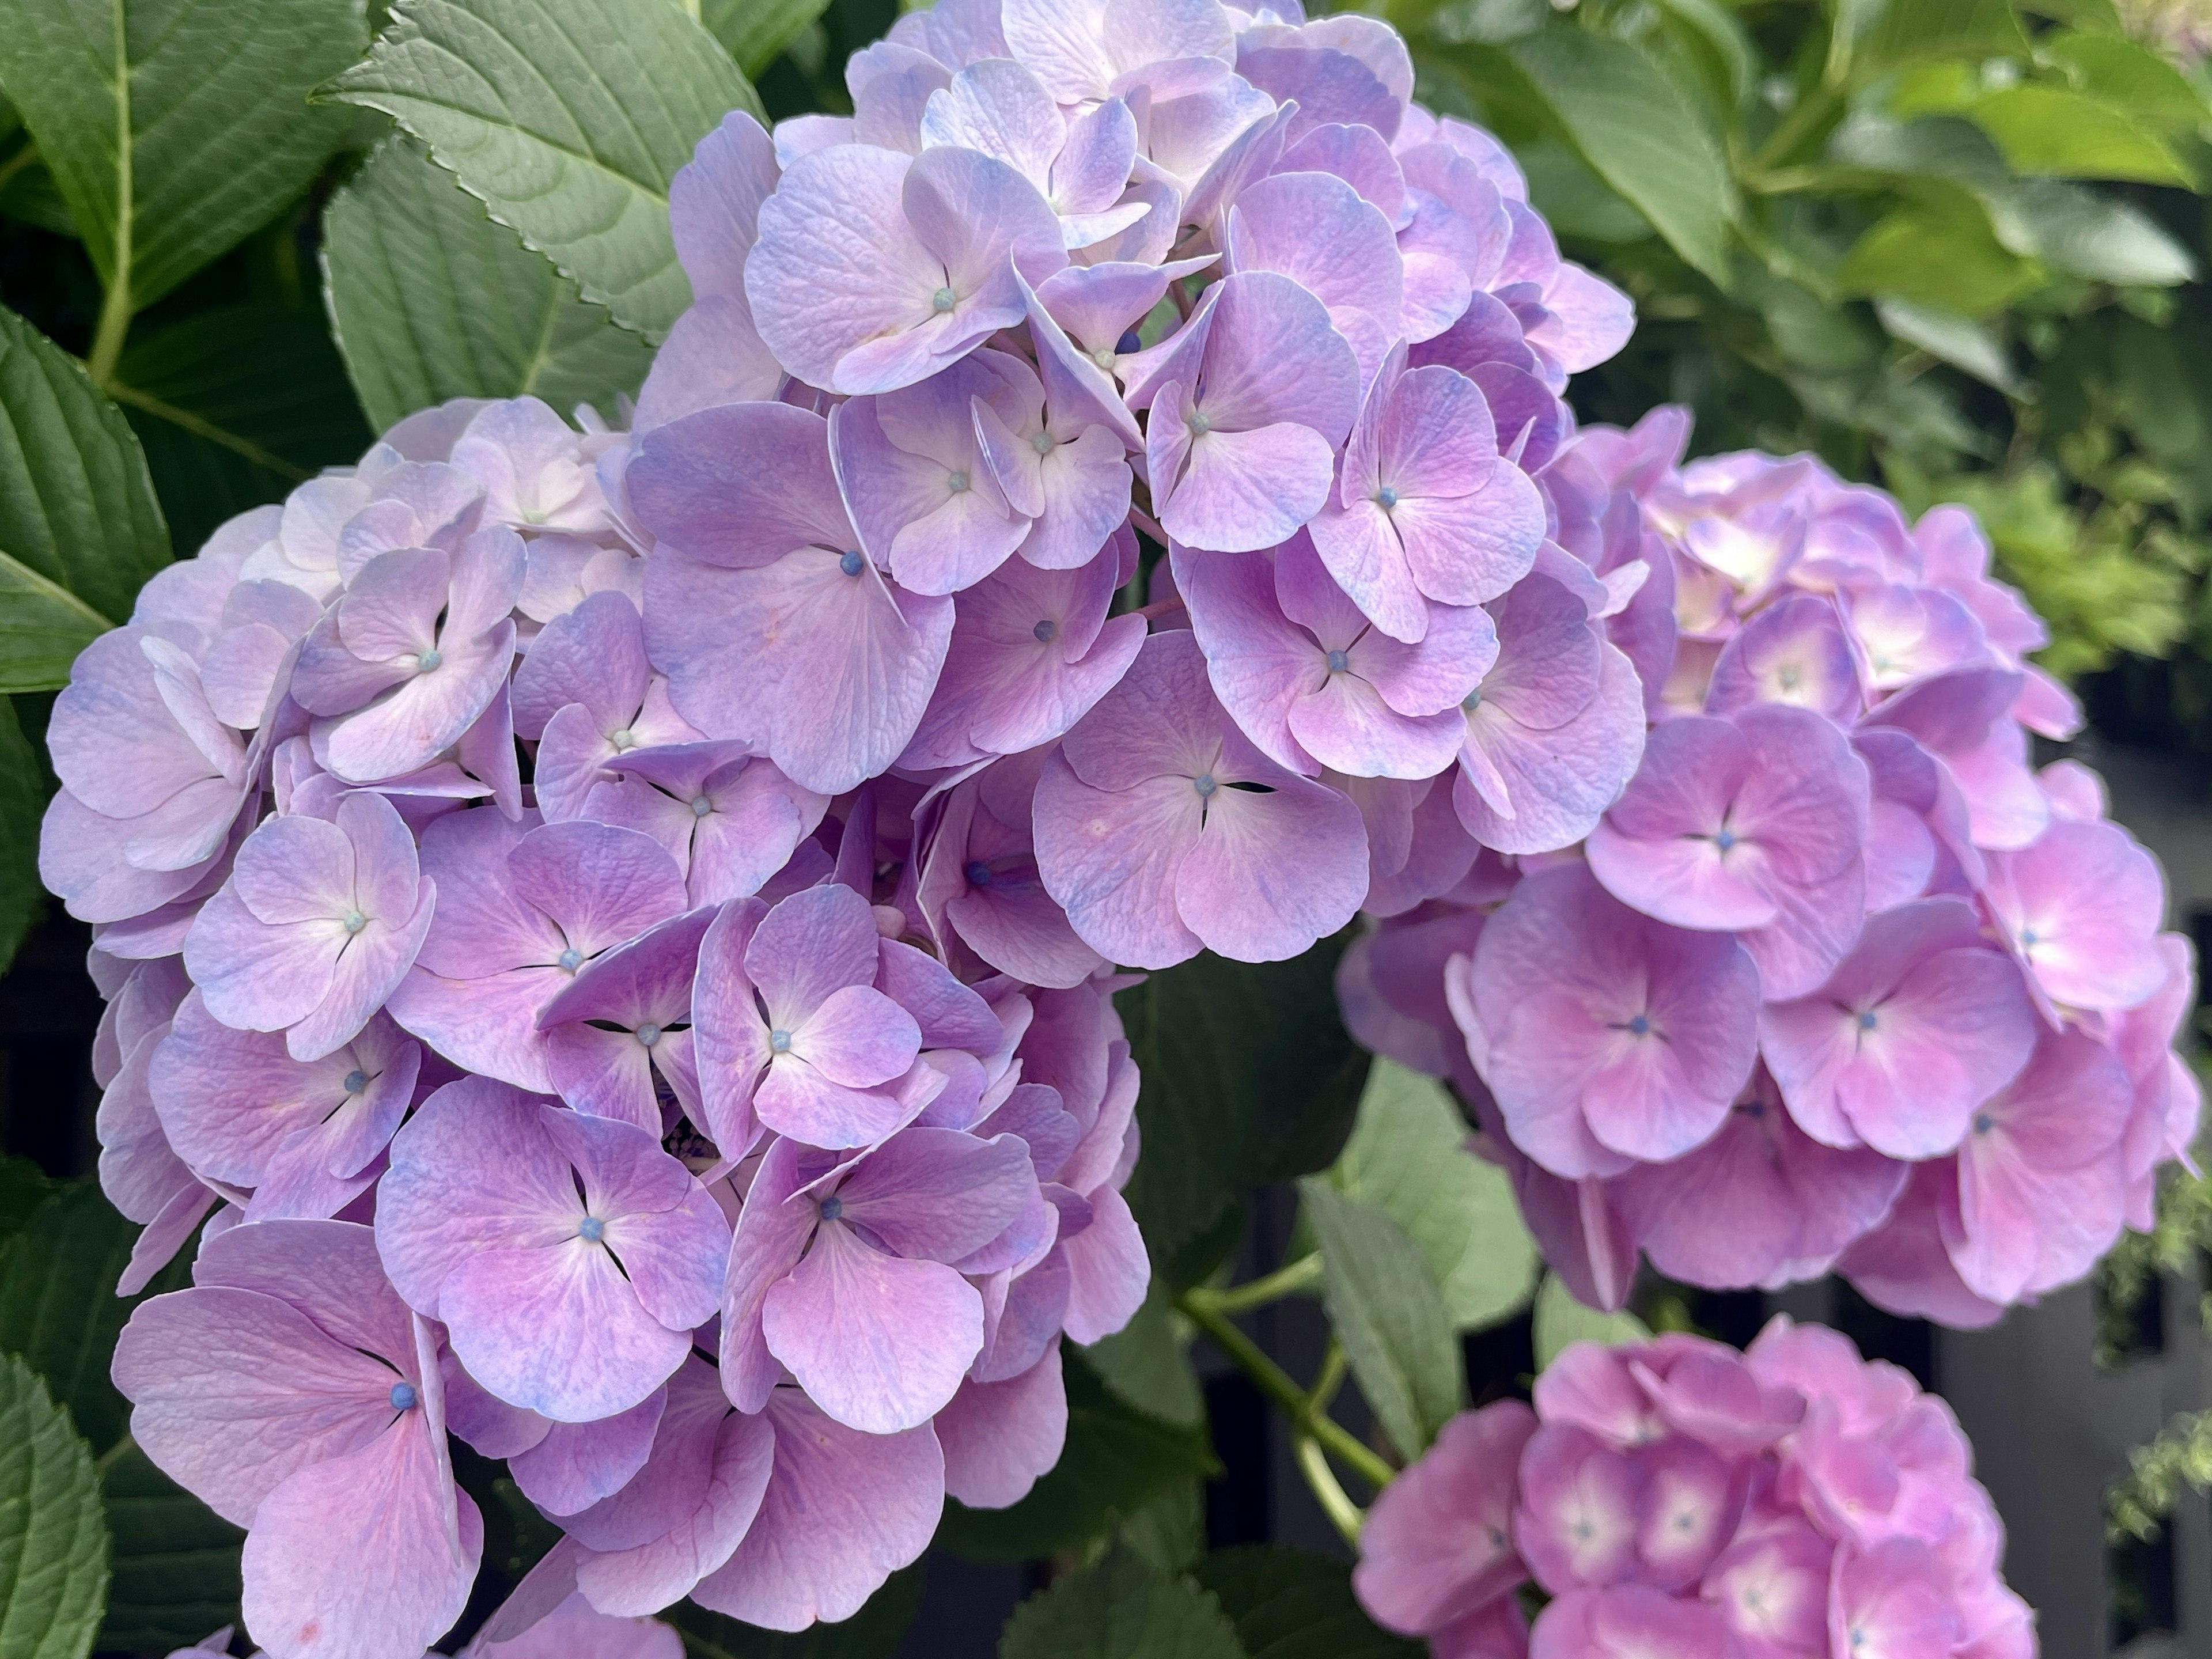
x=1068, y=274
x=549, y=1073
x=1678, y=1500
x=1839, y=980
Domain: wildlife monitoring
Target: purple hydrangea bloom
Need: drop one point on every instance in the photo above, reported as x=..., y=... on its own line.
x=567, y=1256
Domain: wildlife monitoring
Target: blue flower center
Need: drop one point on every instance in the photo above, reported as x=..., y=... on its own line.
x=1472, y=702
x=942, y=301
x=649, y=1034
x=2029, y=939
x=1204, y=784
x=356, y=1081
x=1338, y=662
x=851, y=563
x=404, y=1397
x=957, y=483
x=1983, y=1123
x=571, y=959
x=429, y=660
x=1640, y=1026
x=1200, y=423
x=354, y=921
x=1046, y=631
x=1724, y=841
x=1386, y=498
x=701, y=806
x=832, y=1208
x=1866, y=1020
x=592, y=1229
x=1129, y=342
x=778, y=1041
x=1044, y=443
x=978, y=874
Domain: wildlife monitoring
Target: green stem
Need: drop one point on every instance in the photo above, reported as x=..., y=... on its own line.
x=1346, y=1517
x=1798, y=126
x=15, y=163
x=1277, y=1384
x=1286, y=1280
x=115, y=311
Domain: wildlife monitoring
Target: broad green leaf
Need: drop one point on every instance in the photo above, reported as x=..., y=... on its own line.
x=568, y=119
x=1945, y=261
x=23, y=803
x=1250, y=1077
x=1959, y=341
x=2054, y=133
x=176, y=1560
x=1123, y=1608
x=1118, y=1458
x=433, y=299
x=1614, y=101
x=2094, y=235
x=1382, y=1299
x=175, y=128
x=2127, y=73
x=874, y=1633
x=756, y=32
x=58, y=1309
x=28, y=193
x=235, y=407
x=1951, y=28
x=1561, y=1322
x=80, y=529
x=1407, y=1157
x=1170, y=1531
x=1575, y=201
x=1147, y=1364
x=1293, y=1604
x=53, y=1543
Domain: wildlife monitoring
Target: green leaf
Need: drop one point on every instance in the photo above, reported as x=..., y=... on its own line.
x=1613, y=101
x=1560, y=1322
x=432, y=301
x=1250, y=1077
x=2094, y=235
x=1117, y=1460
x=23, y=803
x=80, y=529
x=1949, y=28
x=1408, y=1158
x=567, y=118
x=1123, y=1608
x=58, y=1309
x=756, y=32
x=2127, y=73
x=53, y=1544
x=1170, y=1531
x=1293, y=1604
x=1957, y=340
x=1147, y=1365
x=175, y=128
x=1575, y=201
x=1382, y=1297
x=1946, y=261
x=2051, y=132
x=176, y=1560
x=235, y=408
x=874, y=1633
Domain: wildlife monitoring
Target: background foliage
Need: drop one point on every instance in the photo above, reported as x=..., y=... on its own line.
x=1956, y=246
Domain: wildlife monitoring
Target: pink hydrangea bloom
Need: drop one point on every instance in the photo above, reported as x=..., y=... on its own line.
x=1678, y=1498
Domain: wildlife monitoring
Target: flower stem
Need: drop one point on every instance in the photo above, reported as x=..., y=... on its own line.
x=1286, y=1280
x=1346, y=1517
x=1277, y=1384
